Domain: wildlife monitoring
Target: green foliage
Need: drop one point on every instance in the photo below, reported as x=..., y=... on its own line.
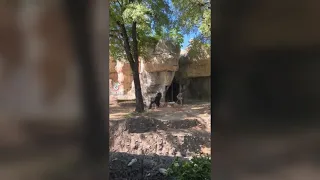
x=205, y=26
x=199, y=48
x=194, y=15
x=159, y=19
x=198, y=168
x=176, y=36
x=139, y=13
x=153, y=20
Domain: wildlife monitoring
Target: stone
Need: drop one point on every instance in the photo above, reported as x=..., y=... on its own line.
x=164, y=57
x=195, y=64
x=112, y=65
x=158, y=71
x=154, y=82
x=121, y=77
x=194, y=74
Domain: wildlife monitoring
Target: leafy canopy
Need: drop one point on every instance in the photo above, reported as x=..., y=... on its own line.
x=154, y=20
x=195, y=16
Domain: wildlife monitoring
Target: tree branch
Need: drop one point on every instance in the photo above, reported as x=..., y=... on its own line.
x=126, y=43
x=115, y=30
x=113, y=36
x=121, y=5
x=203, y=4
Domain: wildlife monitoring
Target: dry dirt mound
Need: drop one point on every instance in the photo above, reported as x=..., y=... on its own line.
x=155, y=138
x=144, y=135
x=154, y=143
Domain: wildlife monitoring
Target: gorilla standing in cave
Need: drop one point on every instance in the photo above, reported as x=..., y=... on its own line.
x=156, y=100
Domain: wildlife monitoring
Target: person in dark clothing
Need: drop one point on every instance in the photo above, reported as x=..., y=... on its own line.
x=156, y=100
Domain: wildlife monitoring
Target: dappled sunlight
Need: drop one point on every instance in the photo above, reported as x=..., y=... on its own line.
x=170, y=131
x=197, y=108
x=119, y=115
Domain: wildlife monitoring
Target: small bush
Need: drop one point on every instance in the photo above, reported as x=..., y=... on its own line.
x=198, y=168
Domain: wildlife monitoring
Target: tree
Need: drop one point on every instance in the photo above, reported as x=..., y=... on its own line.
x=136, y=25
x=195, y=16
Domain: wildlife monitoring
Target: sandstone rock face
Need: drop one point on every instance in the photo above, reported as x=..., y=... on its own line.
x=194, y=74
x=158, y=71
x=120, y=79
x=199, y=64
x=112, y=65
x=164, y=57
x=193, y=65
x=155, y=82
x=200, y=68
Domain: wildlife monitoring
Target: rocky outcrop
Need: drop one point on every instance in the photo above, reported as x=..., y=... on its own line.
x=197, y=63
x=194, y=64
x=120, y=80
x=164, y=57
x=113, y=75
x=158, y=71
x=200, y=68
x=194, y=73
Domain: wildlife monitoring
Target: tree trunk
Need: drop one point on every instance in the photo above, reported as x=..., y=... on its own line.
x=135, y=68
x=134, y=62
x=137, y=86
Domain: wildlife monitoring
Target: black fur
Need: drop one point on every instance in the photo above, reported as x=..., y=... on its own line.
x=156, y=100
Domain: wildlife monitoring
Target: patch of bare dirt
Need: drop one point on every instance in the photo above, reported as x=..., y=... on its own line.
x=144, y=135
x=162, y=133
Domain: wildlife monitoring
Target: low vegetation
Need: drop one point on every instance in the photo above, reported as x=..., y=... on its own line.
x=198, y=168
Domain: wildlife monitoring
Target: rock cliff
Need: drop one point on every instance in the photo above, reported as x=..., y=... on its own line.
x=158, y=71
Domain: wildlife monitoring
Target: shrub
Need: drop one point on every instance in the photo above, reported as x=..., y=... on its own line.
x=198, y=168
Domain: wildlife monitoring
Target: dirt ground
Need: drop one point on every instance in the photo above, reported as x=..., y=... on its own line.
x=155, y=137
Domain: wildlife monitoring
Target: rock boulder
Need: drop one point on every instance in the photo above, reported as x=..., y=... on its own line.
x=194, y=73
x=158, y=71
x=199, y=62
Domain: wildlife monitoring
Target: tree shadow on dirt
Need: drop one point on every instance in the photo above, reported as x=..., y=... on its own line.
x=142, y=125
x=177, y=133
x=193, y=143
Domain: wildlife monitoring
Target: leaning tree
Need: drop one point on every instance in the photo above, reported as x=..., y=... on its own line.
x=136, y=25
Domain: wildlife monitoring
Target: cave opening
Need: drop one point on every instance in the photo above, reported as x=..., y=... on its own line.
x=172, y=92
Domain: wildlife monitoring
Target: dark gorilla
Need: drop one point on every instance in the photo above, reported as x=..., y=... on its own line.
x=156, y=100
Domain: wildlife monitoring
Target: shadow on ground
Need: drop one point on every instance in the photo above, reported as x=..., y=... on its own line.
x=143, y=135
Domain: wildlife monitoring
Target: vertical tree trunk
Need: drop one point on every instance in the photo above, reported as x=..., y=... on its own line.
x=137, y=86
x=136, y=78
x=133, y=59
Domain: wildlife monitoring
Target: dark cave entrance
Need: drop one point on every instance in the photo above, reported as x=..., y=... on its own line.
x=172, y=92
